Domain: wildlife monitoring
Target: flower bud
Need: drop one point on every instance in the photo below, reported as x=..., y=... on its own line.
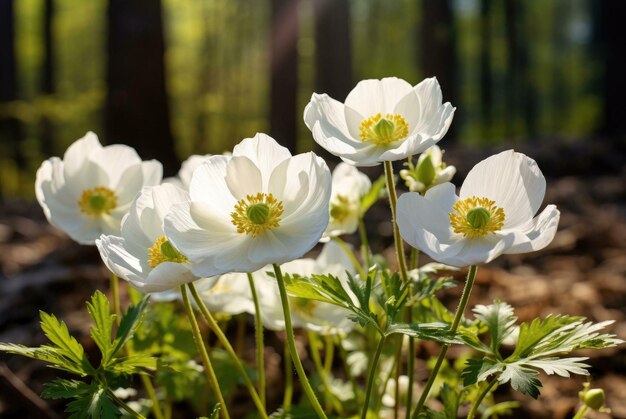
x=594, y=398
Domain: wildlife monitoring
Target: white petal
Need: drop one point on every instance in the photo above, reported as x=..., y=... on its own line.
x=409, y=108
x=208, y=185
x=539, y=232
x=243, y=177
x=152, y=172
x=129, y=184
x=165, y=197
x=370, y=97
x=78, y=153
x=263, y=150
x=512, y=180
x=290, y=183
x=119, y=261
x=166, y=276
x=444, y=196
x=331, y=116
x=115, y=159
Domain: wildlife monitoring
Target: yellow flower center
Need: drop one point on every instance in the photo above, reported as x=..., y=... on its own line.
x=476, y=217
x=384, y=130
x=97, y=201
x=163, y=251
x=340, y=209
x=256, y=214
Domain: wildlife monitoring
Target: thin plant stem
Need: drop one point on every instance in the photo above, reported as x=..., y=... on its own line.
x=329, y=353
x=379, y=400
x=258, y=331
x=365, y=246
x=288, y=394
x=398, y=371
x=480, y=398
x=291, y=341
x=221, y=337
x=115, y=296
x=393, y=201
x=350, y=254
x=329, y=398
x=581, y=412
x=410, y=373
x=123, y=405
x=469, y=283
x=371, y=376
x=145, y=380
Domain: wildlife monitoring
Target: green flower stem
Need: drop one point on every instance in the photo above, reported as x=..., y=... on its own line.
x=329, y=397
x=480, y=398
x=145, y=380
x=115, y=296
x=288, y=395
x=291, y=341
x=397, y=373
x=221, y=337
x=469, y=283
x=208, y=367
x=365, y=246
x=581, y=412
x=410, y=373
x=329, y=353
x=371, y=376
x=350, y=253
x=393, y=201
x=258, y=331
x=123, y=405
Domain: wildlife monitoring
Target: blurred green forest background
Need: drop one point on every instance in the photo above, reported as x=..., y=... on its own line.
x=175, y=77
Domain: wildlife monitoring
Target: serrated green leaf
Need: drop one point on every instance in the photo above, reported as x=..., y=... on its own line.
x=56, y=331
x=60, y=388
x=479, y=369
x=133, y=364
x=95, y=405
x=437, y=332
x=451, y=400
x=522, y=379
x=215, y=414
x=560, y=366
x=102, y=329
x=373, y=195
x=499, y=319
x=129, y=323
x=531, y=334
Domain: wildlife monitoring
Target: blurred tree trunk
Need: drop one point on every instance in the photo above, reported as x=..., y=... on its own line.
x=438, y=49
x=47, y=77
x=137, y=110
x=486, y=90
x=611, y=15
x=333, y=52
x=561, y=95
x=10, y=126
x=284, y=72
x=528, y=91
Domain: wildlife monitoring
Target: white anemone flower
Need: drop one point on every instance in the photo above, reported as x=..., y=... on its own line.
x=492, y=215
x=256, y=207
x=312, y=315
x=88, y=192
x=142, y=255
x=349, y=186
x=381, y=120
x=230, y=294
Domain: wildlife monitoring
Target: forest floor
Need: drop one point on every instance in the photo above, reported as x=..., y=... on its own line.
x=583, y=272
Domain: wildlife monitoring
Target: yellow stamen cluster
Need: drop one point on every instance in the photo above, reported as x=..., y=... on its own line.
x=163, y=251
x=303, y=306
x=97, y=201
x=384, y=130
x=476, y=217
x=256, y=214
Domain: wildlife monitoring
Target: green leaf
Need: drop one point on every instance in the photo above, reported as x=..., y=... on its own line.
x=560, y=366
x=522, y=379
x=102, y=329
x=478, y=370
x=95, y=405
x=451, y=400
x=129, y=323
x=373, y=195
x=426, y=331
x=58, y=334
x=215, y=414
x=499, y=319
x=134, y=364
x=60, y=388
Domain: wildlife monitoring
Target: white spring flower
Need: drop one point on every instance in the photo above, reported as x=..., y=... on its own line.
x=258, y=206
x=88, y=192
x=429, y=171
x=183, y=178
x=381, y=120
x=316, y=316
x=349, y=185
x=492, y=215
x=142, y=255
